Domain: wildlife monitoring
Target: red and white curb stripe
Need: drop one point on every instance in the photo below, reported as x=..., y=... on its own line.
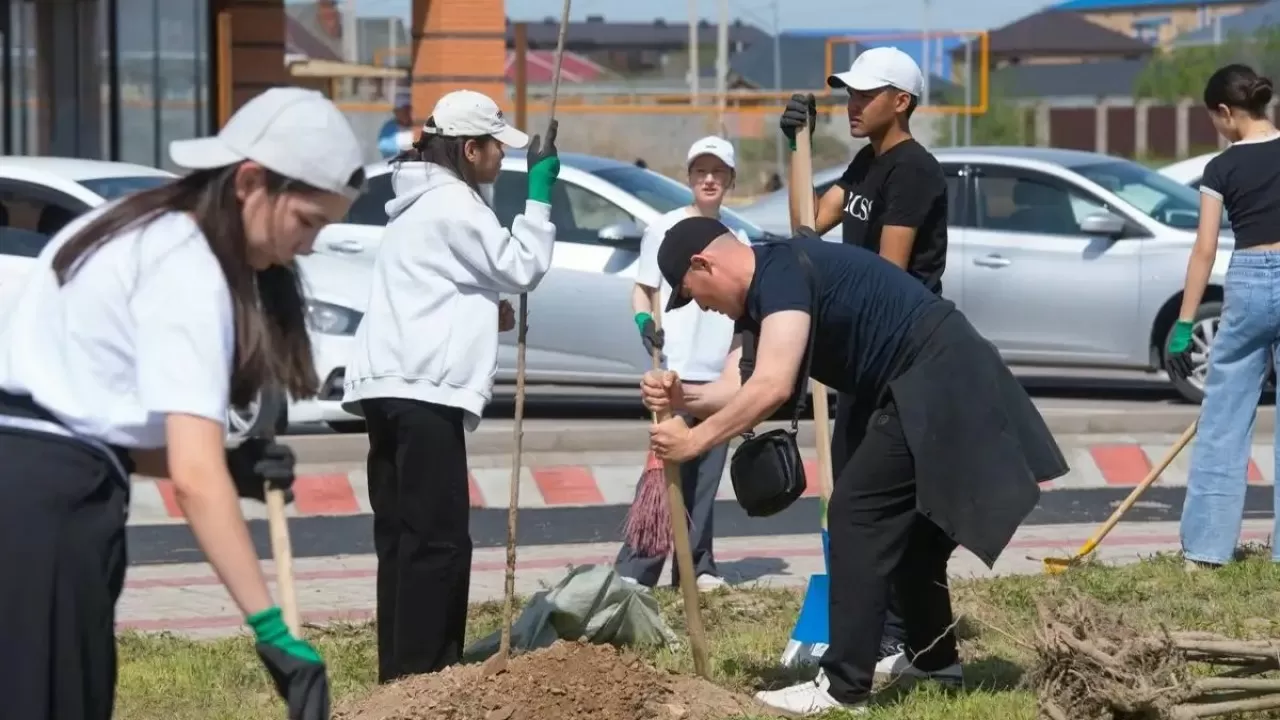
x=347, y=493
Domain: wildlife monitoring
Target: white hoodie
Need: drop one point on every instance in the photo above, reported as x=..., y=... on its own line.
x=431, y=330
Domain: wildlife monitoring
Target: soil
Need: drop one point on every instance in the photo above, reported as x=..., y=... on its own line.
x=568, y=681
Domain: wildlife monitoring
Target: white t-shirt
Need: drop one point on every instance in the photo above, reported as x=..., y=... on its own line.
x=695, y=342
x=143, y=328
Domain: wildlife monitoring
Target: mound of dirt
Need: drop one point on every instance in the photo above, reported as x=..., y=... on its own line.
x=567, y=681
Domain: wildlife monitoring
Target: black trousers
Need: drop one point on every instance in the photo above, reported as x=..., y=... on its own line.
x=699, y=482
x=63, y=510
x=881, y=544
x=421, y=532
x=851, y=426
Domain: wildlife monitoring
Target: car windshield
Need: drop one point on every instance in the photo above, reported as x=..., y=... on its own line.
x=664, y=195
x=1164, y=200
x=110, y=188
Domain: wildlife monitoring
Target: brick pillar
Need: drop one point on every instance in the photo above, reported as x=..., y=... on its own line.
x=457, y=44
x=255, y=47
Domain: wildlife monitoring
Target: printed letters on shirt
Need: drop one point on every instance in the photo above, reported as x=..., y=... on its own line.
x=859, y=207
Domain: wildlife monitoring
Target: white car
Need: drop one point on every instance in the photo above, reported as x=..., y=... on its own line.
x=1189, y=171
x=583, y=340
x=39, y=195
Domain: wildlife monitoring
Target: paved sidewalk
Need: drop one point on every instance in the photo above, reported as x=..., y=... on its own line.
x=188, y=599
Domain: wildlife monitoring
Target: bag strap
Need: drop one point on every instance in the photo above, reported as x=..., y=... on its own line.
x=802, y=379
x=747, y=364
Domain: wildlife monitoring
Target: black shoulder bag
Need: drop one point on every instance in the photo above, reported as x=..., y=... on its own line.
x=766, y=469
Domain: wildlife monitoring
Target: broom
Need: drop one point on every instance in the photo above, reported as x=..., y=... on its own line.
x=647, y=529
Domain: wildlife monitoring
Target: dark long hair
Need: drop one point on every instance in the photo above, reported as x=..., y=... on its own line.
x=446, y=151
x=1238, y=86
x=272, y=344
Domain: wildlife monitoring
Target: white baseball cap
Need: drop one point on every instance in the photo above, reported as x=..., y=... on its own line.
x=467, y=113
x=295, y=132
x=715, y=146
x=404, y=99
x=881, y=67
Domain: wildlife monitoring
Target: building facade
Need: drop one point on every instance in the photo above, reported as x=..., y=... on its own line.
x=121, y=79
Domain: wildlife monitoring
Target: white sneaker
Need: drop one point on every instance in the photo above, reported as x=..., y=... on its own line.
x=897, y=666
x=810, y=698
x=707, y=582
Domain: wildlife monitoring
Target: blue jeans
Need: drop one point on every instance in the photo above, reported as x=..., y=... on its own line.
x=1248, y=334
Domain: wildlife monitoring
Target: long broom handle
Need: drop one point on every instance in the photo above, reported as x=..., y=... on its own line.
x=802, y=159
x=680, y=532
x=517, y=440
x=1152, y=476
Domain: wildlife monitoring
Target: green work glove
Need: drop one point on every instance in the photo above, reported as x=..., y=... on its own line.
x=1177, y=355
x=650, y=335
x=296, y=668
x=544, y=165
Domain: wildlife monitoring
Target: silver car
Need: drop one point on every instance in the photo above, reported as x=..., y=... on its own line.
x=1065, y=258
x=581, y=335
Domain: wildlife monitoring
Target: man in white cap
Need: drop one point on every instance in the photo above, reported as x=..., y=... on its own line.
x=396, y=134
x=694, y=344
x=891, y=200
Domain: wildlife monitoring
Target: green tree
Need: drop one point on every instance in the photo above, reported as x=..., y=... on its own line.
x=1181, y=72
x=1004, y=123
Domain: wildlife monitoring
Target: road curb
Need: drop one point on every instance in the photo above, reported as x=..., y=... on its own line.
x=610, y=479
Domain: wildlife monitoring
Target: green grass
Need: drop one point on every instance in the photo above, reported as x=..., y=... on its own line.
x=163, y=677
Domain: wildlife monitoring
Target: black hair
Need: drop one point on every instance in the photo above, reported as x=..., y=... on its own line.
x=446, y=151
x=272, y=346
x=1239, y=87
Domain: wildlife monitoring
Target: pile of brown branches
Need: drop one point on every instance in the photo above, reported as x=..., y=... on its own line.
x=1090, y=666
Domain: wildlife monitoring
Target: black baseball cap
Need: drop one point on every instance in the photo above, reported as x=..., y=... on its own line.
x=685, y=239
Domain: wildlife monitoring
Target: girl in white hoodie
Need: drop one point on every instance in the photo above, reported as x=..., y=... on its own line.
x=424, y=361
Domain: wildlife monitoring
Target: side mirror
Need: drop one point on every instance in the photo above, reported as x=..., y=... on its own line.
x=1103, y=223
x=623, y=235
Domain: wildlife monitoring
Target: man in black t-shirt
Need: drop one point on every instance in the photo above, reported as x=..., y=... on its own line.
x=953, y=449
x=892, y=200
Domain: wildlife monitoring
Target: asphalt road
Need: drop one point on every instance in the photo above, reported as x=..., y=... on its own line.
x=353, y=534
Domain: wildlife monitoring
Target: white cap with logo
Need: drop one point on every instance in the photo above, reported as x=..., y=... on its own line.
x=467, y=113
x=880, y=67
x=716, y=147
x=295, y=132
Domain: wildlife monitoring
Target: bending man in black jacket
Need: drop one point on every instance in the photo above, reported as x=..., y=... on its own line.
x=952, y=454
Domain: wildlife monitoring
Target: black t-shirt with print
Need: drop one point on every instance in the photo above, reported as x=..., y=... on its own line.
x=866, y=308
x=904, y=187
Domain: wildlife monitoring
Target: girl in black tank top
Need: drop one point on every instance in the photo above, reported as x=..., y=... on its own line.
x=1244, y=334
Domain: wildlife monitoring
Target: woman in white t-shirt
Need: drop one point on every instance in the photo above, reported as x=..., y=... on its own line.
x=694, y=344
x=140, y=323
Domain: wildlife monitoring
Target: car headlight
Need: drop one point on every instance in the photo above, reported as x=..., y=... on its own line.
x=330, y=319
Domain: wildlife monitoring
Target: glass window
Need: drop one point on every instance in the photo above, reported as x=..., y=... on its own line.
x=371, y=207
x=28, y=221
x=509, y=196
x=163, y=70
x=592, y=213
x=1164, y=200
x=1026, y=204
x=113, y=187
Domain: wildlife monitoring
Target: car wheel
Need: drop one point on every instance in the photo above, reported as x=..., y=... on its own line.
x=347, y=426
x=265, y=415
x=1191, y=388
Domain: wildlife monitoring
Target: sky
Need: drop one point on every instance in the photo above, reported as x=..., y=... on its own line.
x=799, y=14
